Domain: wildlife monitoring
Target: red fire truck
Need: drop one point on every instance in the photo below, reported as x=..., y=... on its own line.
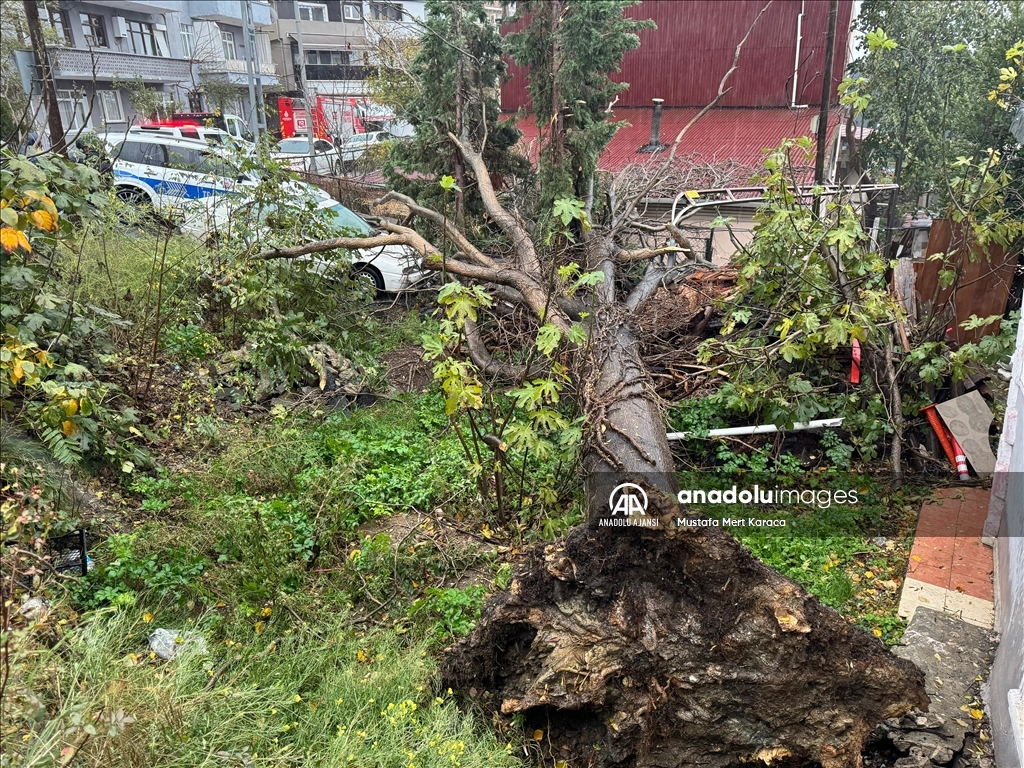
x=332, y=117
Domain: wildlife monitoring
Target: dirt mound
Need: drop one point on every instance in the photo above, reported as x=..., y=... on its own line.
x=633, y=647
x=407, y=371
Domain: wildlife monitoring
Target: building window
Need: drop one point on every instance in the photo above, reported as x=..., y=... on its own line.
x=94, y=31
x=57, y=19
x=228, y=42
x=328, y=57
x=313, y=12
x=352, y=12
x=386, y=11
x=143, y=38
x=167, y=104
x=73, y=108
x=110, y=104
x=188, y=40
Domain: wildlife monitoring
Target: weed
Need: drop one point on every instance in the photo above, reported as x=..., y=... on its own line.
x=456, y=610
x=322, y=699
x=124, y=569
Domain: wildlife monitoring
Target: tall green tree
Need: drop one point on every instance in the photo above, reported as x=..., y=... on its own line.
x=459, y=69
x=572, y=49
x=923, y=82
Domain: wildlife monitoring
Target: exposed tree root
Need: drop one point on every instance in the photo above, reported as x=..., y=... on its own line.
x=634, y=647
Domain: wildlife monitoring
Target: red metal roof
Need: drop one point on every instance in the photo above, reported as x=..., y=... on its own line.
x=734, y=138
x=684, y=59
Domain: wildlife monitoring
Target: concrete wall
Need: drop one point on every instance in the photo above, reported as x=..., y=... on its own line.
x=1004, y=531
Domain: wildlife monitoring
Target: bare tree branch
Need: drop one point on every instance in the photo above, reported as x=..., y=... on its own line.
x=510, y=224
x=643, y=254
x=453, y=232
x=621, y=218
x=485, y=361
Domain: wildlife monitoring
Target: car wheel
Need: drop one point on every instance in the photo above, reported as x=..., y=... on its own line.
x=371, y=276
x=143, y=216
x=132, y=196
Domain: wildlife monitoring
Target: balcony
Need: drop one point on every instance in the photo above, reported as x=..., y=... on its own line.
x=78, y=64
x=230, y=12
x=338, y=72
x=236, y=71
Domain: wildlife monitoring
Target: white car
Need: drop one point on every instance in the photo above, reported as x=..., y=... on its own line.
x=195, y=185
x=197, y=132
x=325, y=160
x=355, y=146
x=390, y=268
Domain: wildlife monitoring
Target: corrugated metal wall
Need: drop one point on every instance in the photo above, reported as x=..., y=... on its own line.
x=684, y=59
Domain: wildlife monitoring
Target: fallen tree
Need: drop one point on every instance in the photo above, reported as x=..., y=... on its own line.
x=657, y=648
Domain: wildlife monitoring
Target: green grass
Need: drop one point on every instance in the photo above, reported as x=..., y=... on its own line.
x=312, y=697
x=831, y=552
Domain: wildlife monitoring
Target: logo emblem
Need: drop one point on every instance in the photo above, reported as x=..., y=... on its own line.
x=628, y=499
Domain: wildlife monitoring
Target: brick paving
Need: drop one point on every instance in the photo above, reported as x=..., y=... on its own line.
x=950, y=569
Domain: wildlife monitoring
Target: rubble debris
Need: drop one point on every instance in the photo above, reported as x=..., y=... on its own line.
x=645, y=648
x=673, y=322
x=953, y=655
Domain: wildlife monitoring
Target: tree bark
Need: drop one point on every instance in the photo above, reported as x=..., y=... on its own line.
x=826, y=93
x=625, y=435
x=49, y=93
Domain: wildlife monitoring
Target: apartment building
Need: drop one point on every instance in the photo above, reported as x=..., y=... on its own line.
x=182, y=52
x=338, y=40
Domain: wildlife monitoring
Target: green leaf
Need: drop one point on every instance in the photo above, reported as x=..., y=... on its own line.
x=569, y=208
x=448, y=183
x=548, y=337
x=879, y=41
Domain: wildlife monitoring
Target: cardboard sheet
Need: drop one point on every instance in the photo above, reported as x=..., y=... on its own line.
x=968, y=417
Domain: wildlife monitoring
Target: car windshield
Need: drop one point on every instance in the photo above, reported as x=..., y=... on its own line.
x=345, y=219
x=296, y=146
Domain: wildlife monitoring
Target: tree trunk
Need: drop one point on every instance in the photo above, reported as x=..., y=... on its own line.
x=625, y=440
x=49, y=93
x=633, y=647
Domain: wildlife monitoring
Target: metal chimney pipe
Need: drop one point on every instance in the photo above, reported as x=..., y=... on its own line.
x=654, y=145
x=656, y=123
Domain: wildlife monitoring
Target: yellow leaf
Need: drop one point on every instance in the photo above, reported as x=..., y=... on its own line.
x=266, y=611
x=362, y=656
x=70, y=407
x=12, y=239
x=876, y=632
x=68, y=428
x=915, y=558
x=44, y=220
x=538, y=735
x=147, y=617
x=869, y=575
x=977, y=714
x=258, y=628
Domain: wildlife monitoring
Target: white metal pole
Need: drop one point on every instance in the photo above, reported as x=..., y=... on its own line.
x=759, y=429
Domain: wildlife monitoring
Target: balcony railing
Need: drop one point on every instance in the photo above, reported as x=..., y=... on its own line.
x=338, y=72
x=79, y=64
x=235, y=66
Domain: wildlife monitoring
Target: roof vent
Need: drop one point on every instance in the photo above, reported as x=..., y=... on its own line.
x=655, y=145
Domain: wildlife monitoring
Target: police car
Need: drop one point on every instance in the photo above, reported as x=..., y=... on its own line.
x=196, y=185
